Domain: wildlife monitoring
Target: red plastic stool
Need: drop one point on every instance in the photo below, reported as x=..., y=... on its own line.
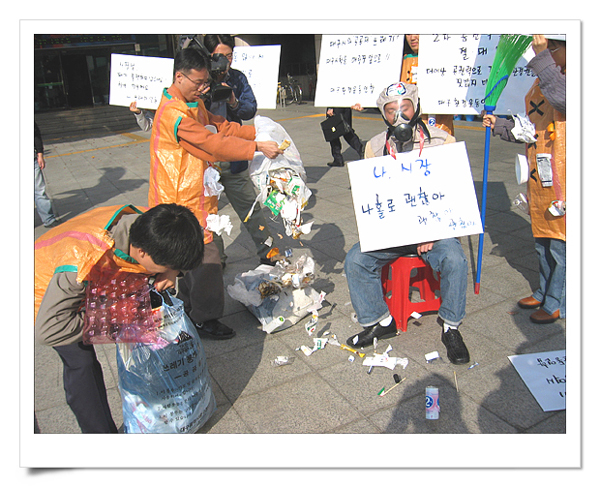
x=397, y=280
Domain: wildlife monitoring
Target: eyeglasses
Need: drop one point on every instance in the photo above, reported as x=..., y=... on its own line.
x=197, y=84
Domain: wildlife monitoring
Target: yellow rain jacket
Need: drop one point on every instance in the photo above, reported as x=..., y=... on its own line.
x=550, y=129
x=408, y=74
x=79, y=245
x=180, y=153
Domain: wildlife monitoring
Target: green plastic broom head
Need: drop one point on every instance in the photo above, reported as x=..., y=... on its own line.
x=510, y=48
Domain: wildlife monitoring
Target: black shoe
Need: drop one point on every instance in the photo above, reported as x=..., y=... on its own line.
x=214, y=330
x=336, y=164
x=456, y=348
x=365, y=337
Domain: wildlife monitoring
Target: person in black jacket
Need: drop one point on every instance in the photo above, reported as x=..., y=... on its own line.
x=350, y=137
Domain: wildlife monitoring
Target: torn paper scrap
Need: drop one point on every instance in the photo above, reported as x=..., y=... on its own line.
x=219, y=224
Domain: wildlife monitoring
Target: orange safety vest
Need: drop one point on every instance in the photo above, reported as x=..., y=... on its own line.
x=408, y=74
x=550, y=130
x=80, y=245
x=176, y=176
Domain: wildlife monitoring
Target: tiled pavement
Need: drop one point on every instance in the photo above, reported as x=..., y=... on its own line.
x=325, y=392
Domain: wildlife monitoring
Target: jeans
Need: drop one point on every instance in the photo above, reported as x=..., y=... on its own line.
x=552, y=256
x=42, y=202
x=363, y=273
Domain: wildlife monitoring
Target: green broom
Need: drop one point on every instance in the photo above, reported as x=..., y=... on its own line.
x=510, y=49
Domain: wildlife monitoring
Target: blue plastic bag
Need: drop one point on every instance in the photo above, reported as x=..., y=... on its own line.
x=165, y=386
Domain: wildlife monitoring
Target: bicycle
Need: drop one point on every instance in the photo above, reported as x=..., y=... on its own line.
x=290, y=92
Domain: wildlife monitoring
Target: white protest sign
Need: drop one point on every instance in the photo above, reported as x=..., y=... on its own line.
x=453, y=73
x=544, y=374
x=355, y=68
x=140, y=79
x=414, y=198
x=260, y=64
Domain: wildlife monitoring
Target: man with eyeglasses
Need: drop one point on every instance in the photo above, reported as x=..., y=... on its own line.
x=181, y=150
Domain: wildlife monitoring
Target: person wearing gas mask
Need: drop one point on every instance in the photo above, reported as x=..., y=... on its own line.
x=400, y=108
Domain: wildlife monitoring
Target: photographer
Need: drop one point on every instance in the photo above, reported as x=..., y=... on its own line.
x=241, y=104
x=231, y=97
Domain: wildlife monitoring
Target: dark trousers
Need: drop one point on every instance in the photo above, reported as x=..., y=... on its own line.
x=202, y=290
x=84, y=388
x=351, y=137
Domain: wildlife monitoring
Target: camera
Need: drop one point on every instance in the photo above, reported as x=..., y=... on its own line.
x=217, y=65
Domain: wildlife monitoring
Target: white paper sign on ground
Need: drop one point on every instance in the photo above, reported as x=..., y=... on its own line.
x=356, y=68
x=414, y=199
x=260, y=64
x=453, y=72
x=139, y=78
x=544, y=373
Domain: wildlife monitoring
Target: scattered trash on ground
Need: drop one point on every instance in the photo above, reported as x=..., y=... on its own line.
x=431, y=356
x=282, y=360
x=397, y=381
x=280, y=295
x=384, y=360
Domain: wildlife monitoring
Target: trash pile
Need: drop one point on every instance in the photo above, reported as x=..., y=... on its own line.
x=279, y=295
x=281, y=182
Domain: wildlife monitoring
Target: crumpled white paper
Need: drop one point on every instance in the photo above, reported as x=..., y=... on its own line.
x=219, y=224
x=212, y=186
x=523, y=130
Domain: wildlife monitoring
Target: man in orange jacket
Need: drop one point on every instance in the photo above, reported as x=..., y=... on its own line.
x=162, y=242
x=186, y=140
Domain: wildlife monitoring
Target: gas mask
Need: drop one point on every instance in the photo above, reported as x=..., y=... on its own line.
x=403, y=132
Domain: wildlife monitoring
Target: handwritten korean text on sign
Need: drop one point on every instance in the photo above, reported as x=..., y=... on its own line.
x=545, y=375
x=414, y=198
x=139, y=78
x=453, y=74
x=355, y=68
x=260, y=64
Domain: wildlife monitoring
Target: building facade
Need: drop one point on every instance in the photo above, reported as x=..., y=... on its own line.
x=73, y=71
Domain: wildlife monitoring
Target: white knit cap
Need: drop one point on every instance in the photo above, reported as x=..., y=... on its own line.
x=398, y=92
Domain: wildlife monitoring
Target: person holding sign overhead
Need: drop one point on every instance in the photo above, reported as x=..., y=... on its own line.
x=546, y=185
x=186, y=140
x=400, y=108
x=408, y=74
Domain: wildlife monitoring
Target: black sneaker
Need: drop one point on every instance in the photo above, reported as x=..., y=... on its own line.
x=214, y=330
x=365, y=337
x=456, y=348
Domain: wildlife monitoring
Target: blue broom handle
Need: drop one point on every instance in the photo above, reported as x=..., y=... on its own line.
x=486, y=160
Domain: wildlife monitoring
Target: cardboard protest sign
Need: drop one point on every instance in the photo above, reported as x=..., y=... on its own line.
x=355, y=68
x=139, y=78
x=260, y=64
x=453, y=73
x=544, y=374
x=414, y=198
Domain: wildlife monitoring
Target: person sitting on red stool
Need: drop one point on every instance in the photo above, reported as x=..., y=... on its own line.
x=397, y=104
